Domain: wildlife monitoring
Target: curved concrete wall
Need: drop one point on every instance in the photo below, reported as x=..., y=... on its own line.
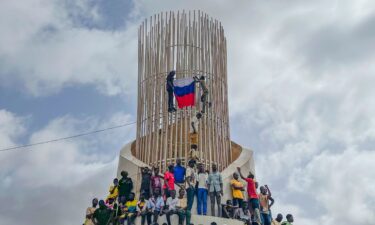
x=130, y=163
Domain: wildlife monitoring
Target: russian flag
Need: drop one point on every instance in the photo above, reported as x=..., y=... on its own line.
x=184, y=90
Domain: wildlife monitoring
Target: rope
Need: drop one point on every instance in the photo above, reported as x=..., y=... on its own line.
x=64, y=138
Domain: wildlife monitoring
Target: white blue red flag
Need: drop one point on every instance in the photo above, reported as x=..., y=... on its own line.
x=184, y=91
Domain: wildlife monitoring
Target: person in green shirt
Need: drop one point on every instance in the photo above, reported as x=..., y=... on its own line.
x=102, y=215
x=125, y=185
x=289, y=220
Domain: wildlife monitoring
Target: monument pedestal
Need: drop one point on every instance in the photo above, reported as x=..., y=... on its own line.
x=244, y=159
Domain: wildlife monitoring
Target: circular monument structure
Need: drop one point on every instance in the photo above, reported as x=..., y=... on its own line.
x=192, y=44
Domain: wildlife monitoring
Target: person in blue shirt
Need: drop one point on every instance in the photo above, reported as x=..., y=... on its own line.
x=179, y=173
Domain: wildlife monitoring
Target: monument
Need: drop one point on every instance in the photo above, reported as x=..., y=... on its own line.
x=193, y=45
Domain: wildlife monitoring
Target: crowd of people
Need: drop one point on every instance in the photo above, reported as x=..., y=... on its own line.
x=174, y=192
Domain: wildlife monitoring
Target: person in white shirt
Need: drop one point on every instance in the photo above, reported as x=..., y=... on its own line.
x=155, y=205
x=181, y=208
x=202, y=190
x=142, y=210
x=194, y=128
x=171, y=206
x=191, y=181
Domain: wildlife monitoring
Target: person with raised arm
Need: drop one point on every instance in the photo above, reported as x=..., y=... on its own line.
x=253, y=201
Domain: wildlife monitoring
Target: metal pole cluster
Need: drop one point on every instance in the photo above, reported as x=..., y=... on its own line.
x=191, y=43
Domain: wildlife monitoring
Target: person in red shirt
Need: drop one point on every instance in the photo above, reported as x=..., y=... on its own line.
x=252, y=194
x=168, y=181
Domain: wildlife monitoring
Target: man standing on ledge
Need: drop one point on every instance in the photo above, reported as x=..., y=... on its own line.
x=215, y=188
x=125, y=185
x=179, y=173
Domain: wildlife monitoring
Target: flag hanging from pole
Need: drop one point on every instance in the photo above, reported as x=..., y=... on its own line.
x=184, y=91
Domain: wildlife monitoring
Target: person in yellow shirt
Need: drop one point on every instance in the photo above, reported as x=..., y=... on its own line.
x=113, y=190
x=90, y=212
x=237, y=188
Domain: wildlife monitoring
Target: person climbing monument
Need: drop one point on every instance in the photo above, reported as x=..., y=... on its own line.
x=204, y=98
x=194, y=153
x=170, y=88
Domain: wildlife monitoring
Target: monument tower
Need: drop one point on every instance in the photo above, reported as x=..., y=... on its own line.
x=192, y=44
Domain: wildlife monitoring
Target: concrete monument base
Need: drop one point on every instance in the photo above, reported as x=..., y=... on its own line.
x=244, y=159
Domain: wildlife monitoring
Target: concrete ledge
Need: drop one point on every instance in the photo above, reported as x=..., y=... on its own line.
x=131, y=164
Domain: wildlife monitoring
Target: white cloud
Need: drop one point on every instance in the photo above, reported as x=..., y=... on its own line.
x=307, y=107
x=340, y=183
x=62, y=176
x=42, y=50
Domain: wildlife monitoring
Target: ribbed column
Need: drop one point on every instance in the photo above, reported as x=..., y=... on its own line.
x=191, y=43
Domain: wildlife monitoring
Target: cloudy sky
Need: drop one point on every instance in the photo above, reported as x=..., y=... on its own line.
x=301, y=77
